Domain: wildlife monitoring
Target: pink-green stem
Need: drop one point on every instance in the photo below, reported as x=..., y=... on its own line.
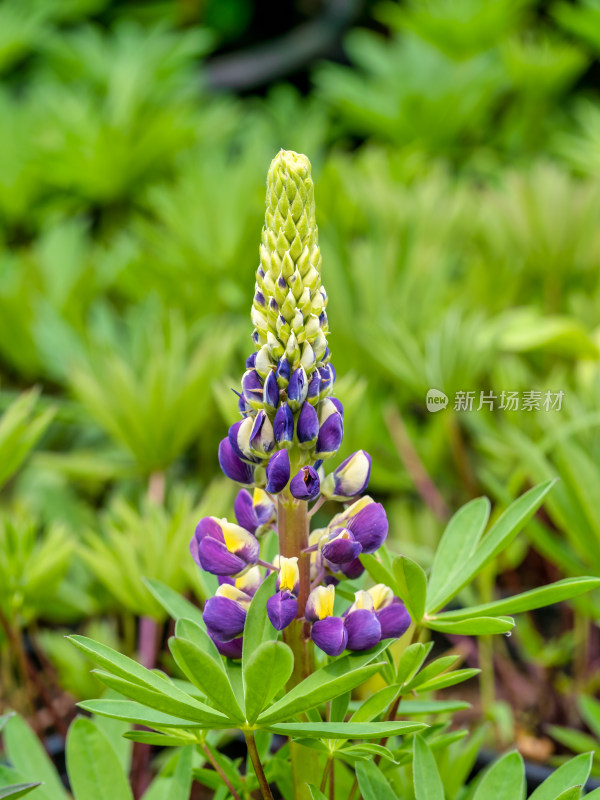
x=258, y=767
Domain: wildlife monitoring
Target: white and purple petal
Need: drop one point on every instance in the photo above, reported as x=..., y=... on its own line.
x=307, y=425
x=305, y=485
x=341, y=547
x=331, y=433
x=283, y=424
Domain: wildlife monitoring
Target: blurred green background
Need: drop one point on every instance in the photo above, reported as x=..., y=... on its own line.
x=456, y=157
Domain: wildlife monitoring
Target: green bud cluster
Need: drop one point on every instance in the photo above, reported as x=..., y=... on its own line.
x=289, y=302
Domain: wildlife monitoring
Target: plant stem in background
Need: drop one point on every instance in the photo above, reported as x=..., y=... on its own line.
x=258, y=768
x=148, y=635
x=414, y=466
x=220, y=772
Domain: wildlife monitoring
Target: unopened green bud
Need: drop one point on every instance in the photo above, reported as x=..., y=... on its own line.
x=289, y=298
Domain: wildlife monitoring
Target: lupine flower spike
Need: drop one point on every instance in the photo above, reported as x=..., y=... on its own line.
x=290, y=425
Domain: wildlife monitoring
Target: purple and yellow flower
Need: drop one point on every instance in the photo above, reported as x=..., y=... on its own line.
x=349, y=479
x=327, y=632
x=223, y=548
x=248, y=583
x=232, y=649
x=368, y=522
x=340, y=546
x=262, y=438
x=390, y=611
x=225, y=613
x=282, y=607
x=305, y=485
x=255, y=512
x=361, y=623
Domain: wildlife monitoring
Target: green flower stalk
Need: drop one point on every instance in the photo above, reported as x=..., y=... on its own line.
x=289, y=304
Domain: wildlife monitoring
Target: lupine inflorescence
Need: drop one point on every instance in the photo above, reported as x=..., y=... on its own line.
x=290, y=424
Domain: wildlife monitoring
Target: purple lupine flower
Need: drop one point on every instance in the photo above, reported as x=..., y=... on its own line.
x=362, y=625
x=225, y=613
x=251, y=361
x=262, y=440
x=307, y=425
x=330, y=635
x=328, y=377
x=232, y=649
x=282, y=608
x=331, y=433
x=367, y=521
x=390, y=611
x=248, y=583
x=253, y=511
x=278, y=472
x=283, y=425
x=271, y=391
x=222, y=548
x=233, y=466
x=327, y=632
x=341, y=547
x=297, y=388
x=350, y=478
x=353, y=570
x=305, y=484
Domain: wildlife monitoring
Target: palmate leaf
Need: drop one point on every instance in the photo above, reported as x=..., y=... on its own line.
x=346, y=730
x=258, y=628
x=339, y=676
x=463, y=552
x=93, y=767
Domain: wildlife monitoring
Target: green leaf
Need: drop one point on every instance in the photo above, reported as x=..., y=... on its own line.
x=346, y=730
x=468, y=564
x=412, y=585
x=159, y=739
x=431, y=670
x=378, y=572
x=478, y=626
x=337, y=677
x=267, y=671
x=504, y=780
x=174, y=604
x=415, y=707
x=202, y=671
x=589, y=708
x=28, y=757
x=315, y=793
x=373, y=785
x=458, y=542
x=4, y=719
x=449, y=679
x=258, y=628
x=339, y=707
x=573, y=793
x=136, y=713
x=174, y=781
x=427, y=781
x=93, y=766
x=17, y=790
x=192, y=710
x=411, y=661
x=365, y=750
x=526, y=601
x=575, y=771
x=577, y=741
x=376, y=704
x=188, y=629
